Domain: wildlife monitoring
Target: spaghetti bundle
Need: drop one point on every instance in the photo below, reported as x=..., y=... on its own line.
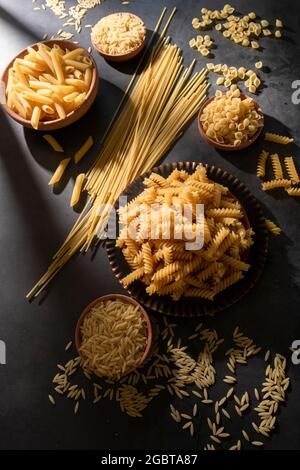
x=162, y=102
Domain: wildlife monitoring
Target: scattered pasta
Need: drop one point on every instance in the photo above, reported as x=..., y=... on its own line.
x=53, y=142
x=293, y=191
x=77, y=190
x=59, y=171
x=276, y=165
x=261, y=164
x=291, y=169
x=272, y=227
x=233, y=74
x=48, y=83
x=275, y=184
x=278, y=139
x=154, y=242
x=84, y=149
x=231, y=119
x=118, y=33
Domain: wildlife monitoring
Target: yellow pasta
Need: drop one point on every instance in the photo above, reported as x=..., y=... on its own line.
x=261, y=164
x=59, y=171
x=84, y=149
x=277, y=168
x=291, y=169
x=53, y=142
x=161, y=259
x=275, y=184
x=278, y=139
x=293, y=191
x=272, y=227
x=38, y=83
x=77, y=190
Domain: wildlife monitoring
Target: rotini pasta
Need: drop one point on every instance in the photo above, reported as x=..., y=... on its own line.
x=293, y=191
x=291, y=169
x=278, y=139
x=261, y=164
x=272, y=227
x=274, y=184
x=276, y=165
x=158, y=255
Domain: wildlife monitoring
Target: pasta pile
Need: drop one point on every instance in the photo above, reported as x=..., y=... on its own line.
x=242, y=30
x=165, y=98
x=231, y=74
x=231, y=119
x=48, y=83
x=163, y=262
x=203, y=44
x=118, y=33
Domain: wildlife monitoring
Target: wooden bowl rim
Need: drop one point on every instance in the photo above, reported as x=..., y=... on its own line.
x=229, y=147
x=126, y=55
x=3, y=82
x=125, y=298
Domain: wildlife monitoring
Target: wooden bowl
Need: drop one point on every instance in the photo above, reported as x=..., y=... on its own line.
x=124, y=298
x=71, y=117
x=127, y=55
x=228, y=147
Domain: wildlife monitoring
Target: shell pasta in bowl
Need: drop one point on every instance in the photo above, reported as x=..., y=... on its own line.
x=49, y=85
x=192, y=240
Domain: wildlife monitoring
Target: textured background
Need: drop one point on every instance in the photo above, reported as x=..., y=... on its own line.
x=34, y=221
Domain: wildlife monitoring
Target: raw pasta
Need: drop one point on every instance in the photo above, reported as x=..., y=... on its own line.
x=154, y=242
x=261, y=164
x=293, y=191
x=276, y=165
x=274, y=184
x=59, y=171
x=272, y=227
x=291, y=169
x=84, y=149
x=77, y=189
x=231, y=119
x=278, y=139
x=53, y=142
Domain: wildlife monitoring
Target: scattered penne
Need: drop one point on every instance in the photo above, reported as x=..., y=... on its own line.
x=84, y=149
x=59, y=171
x=77, y=189
x=53, y=142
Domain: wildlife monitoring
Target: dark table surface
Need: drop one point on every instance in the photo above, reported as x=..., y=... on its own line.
x=34, y=221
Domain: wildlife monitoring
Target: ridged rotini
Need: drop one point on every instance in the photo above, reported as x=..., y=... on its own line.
x=189, y=267
x=147, y=258
x=168, y=255
x=216, y=242
x=276, y=165
x=274, y=184
x=278, y=139
x=224, y=212
x=293, y=191
x=272, y=227
x=227, y=244
x=166, y=271
x=133, y=276
x=235, y=263
x=261, y=164
x=204, y=293
x=207, y=272
x=291, y=169
x=228, y=281
x=171, y=288
x=159, y=180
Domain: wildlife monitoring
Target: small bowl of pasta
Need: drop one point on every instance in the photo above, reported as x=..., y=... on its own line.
x=230, y=121
x=113, y=336
x=49, y=85
x=119, y=37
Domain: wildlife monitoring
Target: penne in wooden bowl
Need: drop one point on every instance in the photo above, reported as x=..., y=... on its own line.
x=52, y=91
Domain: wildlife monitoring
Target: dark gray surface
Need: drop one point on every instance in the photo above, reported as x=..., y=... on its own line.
x=34, y=222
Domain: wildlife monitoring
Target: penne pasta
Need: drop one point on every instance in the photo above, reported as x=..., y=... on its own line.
x=77, y=65
x=77, y=189
x=73, y=54
x=84, y=149
x=57, y=66
x=53, y=142
x=36, y=113
x=59, y=171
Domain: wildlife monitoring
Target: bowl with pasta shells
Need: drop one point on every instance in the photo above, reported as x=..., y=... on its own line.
x=230, y=121
x=192, y=239
x=49, y=85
